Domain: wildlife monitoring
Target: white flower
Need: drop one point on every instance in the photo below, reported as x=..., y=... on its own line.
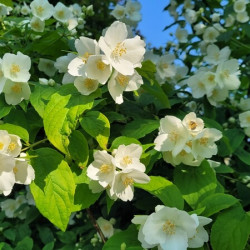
x=85, y=48
x=217, y=95
x=227, y=75
x=42, y=9
x=122, y=186
x=191, y=16
x=102, y=168
x=15, y=92
x=98, y=68
x=193, y=124
x=4, y=10
x=2, y=78
x=124, y=54
x=16, y=67
x=25, y=10
x=132, y=9
x=247, y=131
x=4, y=141
x=199, y=28
x=76, y=9
x=188, y=4
x=230, y=19
x=119, y=83
x=242, y=17
x=201, y=235
x=7, y=177
x=72, y=24
x=62, y=13
x=181, y=34
x=9, y=206
x=215, y=17
x=168, y=228
x=181, y=72
x=47, y=66
x=24, y=173
x=15, y=146
x=127, y=157
x=37, y=24
x=172, y=135
x=203, y=144
x=85, y=85
x=196, y=83
x=215, y=55
x=244, y=104
x=210, y=34
x=118, y=12
x=165, y=67
x=239, y=6
x=244, y=119
x=106, y=227
x=62, y=62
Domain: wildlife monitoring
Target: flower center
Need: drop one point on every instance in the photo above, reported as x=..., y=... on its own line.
x=173, y=136
x=203, y=141
x=169, y=227
x=119, y=50
x=128, y=181
x=183, y=153
x=1, y=145
x=12, y=146
x=86, y=56
x=211, y=78
x=14, y=68
x=60, y=14
x=126, y=160
x=225, y=73
x=100, y=65
x=192, y=125
x=17, y=88
x=15, y=170
x=36, y=25
x=122, y=80
x=189, y=143
x=39, y=10
x=164, y=65
x=89, y=84
x=248, y=119
x=105, y=168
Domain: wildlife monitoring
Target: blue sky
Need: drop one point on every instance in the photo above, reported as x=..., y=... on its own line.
x=154, y=19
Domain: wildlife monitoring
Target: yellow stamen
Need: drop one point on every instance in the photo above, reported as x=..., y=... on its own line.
x=119, y=50
x=1, y=145
x=169, y=227
x=86, y=56
x=60, y=13
x=100, y=65
x=126, y=160
x=173, y=136
x=105, y=168
x=39, y=10
x=12, y=146
x=211, y=78
x=192, y=125
x=17, y=88
x=122, y=80
x=89, y=83
x=203, y=141
x=128, y=181
x=15, y=170
x=14, y=68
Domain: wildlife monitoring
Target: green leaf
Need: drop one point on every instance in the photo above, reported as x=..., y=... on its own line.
x=230, y=230
x=216, y=202
x=53, y=188
x=165, y=190
x=62, y=113
x=25, y=244
x=16, y=130
x=209, y=123
x=195, y=183
x=243, y=155
x=78, y=148
x=7, y=3
x=41, y=96
x=129, y=237
x=4, y=107
x=97, y=125
x=140, y=127
x=123, y=140
x=10, y=234
x=235, y=136
x=224, y=169
x=84, y=197
x=49, y=246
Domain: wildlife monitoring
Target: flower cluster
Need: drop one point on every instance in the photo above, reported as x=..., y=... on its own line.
x=13, y=169
x=186, y=141
x=117, y=173
x=121, y=54
x=14, y=77
x=218, y=78
x=170, y=228
x=130, y=13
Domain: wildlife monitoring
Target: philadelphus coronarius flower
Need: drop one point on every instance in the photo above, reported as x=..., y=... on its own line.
x=12, y=169
x=186, y=141
x=42, y=9
x=245, y=122
x=118, y=173
x=14, y=76
x=171, y=229
x=62, y=13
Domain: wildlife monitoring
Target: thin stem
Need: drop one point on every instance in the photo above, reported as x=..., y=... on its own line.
x=96, y=226
x=34, y=144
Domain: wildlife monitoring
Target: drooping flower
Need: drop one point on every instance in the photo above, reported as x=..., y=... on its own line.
x=37, y=24
x=16, y=67
x=106, y=227
x=119, y=83
x=85, y=85
x=124, y=54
